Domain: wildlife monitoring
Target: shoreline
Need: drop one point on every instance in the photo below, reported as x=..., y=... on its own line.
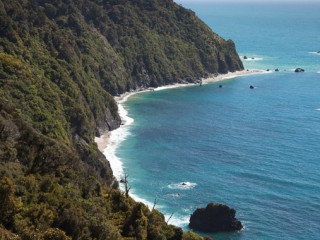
x=104, y=139
x=211, y=79
x=109, y=141
x=231, y=75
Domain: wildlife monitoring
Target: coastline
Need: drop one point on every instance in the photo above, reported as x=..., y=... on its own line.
x=211, y=79
x=104, y=139
x=109, y=141
x=231, y=75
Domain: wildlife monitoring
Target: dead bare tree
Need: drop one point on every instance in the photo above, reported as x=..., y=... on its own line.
x=127, y=187
x=154, y=204
x=169, y=218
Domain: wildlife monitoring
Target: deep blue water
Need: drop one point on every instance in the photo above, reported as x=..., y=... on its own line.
x=255, y=150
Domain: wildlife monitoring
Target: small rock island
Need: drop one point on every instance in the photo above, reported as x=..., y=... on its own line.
x=215, y=218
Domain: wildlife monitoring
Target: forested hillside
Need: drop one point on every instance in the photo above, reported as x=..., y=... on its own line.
x=60, y=64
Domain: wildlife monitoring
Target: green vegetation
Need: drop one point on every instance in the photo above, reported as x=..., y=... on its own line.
x=51, y=207
x=60, y=64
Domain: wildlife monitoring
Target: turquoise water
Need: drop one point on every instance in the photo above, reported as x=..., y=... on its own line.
x=255, y=150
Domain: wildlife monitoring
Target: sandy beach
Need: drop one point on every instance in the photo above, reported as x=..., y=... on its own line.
x=220, y=77
x=230, y=75
x=104, y=140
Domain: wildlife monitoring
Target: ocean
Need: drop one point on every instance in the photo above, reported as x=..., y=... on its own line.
x=256, y=150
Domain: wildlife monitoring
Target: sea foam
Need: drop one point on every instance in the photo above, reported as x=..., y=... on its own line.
x=144, y=201
x=317, y=53
x=252, y=58
x=178, y=220
x=181, y=218
x=116, y=137
x=182, y=185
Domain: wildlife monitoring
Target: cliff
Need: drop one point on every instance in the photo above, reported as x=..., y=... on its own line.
x=60, y=64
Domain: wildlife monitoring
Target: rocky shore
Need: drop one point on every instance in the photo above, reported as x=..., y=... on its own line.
x=215, y=218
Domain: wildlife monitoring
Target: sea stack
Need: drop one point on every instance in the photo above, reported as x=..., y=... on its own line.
x=215, y=218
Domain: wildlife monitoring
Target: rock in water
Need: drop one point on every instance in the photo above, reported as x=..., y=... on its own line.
x=299, y=70
x=214, y=218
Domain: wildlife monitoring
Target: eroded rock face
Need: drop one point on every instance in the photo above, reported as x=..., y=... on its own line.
x=215, y=218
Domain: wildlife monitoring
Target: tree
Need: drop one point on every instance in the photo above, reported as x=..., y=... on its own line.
x=10, y=204
x=127, y=187
x=55, y=234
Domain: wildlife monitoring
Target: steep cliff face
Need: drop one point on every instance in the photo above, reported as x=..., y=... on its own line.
x=160, y=42
x=60, y=64
x=123, y=44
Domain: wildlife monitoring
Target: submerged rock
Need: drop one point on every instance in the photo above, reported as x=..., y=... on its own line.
x=299, y=70
x=214, y=218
